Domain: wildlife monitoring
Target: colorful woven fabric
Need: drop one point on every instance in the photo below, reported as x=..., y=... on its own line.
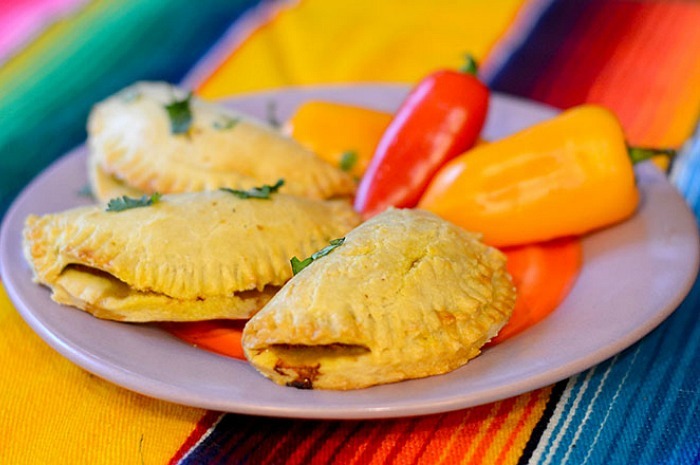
x=641, y=59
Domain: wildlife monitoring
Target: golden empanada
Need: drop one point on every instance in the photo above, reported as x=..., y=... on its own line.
x=186, y=257
x=407, y=295
x=105, y=187
x=134, y=138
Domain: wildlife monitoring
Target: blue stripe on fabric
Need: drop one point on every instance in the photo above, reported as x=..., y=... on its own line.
x=665, y=408
x=647, y=410
x=627, y=405
x=686, y=174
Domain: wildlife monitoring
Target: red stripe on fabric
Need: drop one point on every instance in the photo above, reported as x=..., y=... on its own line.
x=422, y=438
x=234, y=451
x=318, y=446
x=453, y=423
x=398, y=446
x=376, y=442
x=335, y=442
x=357, y=444
x=204, y=424
x=276, y=446
x=644, y=85
x=505, y=408
x=307, y=434
x=393, y=431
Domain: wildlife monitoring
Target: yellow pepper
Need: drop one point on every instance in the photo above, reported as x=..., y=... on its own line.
x=343, y=135
x=562, y=177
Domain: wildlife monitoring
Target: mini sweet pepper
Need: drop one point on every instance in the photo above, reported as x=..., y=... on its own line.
x=562, y=177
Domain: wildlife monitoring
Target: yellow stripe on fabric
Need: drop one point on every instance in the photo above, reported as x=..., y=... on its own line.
x=333, y=41
x=507, y=443
x=102, y=424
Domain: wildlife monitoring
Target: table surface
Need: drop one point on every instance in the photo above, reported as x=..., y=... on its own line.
x=640, y=59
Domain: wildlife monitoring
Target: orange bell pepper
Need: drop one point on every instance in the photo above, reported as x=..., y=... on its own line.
x=343, y=135
x=543, y=274
x=566, y=176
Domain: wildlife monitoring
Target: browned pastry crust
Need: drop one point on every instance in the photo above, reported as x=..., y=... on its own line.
x=407, y=295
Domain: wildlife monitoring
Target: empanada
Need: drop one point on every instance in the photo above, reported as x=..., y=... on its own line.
x=187, y=257
x=134, y=138
x=407, y=295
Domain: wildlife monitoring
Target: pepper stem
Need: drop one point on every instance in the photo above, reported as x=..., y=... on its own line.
x=640, y=154
x=469, y=66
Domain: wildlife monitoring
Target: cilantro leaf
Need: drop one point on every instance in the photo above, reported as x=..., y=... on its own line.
x=348, y=160
x=180, y=115
x=298, y=265
x=125, y=203
x=86, y=191
x=131, y=95
x=263, y=192
x=226, y=123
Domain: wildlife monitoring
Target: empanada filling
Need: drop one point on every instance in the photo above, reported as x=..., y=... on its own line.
x=303, y=352
x=302, y=363
x=111, y=286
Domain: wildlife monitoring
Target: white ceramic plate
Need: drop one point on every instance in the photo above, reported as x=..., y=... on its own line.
x=634, y=276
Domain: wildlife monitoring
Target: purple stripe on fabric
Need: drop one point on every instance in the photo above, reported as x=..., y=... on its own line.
x=519, y=73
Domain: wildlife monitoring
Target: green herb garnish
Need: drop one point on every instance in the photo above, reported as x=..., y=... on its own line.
x=348, y=160
x=298, y=265
x=263, y=192
x=226, y=123
x=180, y=115
x=86, y=191
x=131, y=95
x=125, y=203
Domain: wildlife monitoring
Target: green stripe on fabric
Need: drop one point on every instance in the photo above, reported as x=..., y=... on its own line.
x=47, y=90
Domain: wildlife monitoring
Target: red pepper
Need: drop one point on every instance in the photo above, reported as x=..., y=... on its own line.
x=441, y=118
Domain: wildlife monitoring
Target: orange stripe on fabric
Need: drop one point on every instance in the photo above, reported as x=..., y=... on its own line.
x=398, y=445
x=421, y=435
x=462, y=447
x=393, y=432
x=451, y=425
x=500, y=438
x=480, y=453
x=364, y=441
x=514, y=444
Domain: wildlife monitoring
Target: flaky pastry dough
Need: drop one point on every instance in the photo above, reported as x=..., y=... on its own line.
x=130, y=139
x=187, y=257
x=407, y=295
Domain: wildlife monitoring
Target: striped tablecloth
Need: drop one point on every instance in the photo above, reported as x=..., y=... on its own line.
x=639, y=58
